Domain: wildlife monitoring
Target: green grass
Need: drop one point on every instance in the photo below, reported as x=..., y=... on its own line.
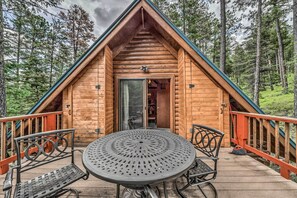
x=276, y=102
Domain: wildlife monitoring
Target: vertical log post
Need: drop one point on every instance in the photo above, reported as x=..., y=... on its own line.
x=3, y=168
x=269, y=129
x=242, y=130
x=276, y=133
x=261, y=135
x=284, y=171
x=50, y=124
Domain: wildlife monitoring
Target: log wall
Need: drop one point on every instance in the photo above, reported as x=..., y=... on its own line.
x=109, y=94
x=87, y=107
x=148, y=49
x=206, y=102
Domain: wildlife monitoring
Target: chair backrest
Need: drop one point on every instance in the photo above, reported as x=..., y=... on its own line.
x=42, y=148
x=207, y=140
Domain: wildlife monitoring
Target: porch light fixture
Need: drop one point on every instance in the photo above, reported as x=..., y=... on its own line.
x=144, y=68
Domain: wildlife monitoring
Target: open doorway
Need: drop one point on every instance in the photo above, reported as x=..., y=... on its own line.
x=144, y=103
x=158, y=103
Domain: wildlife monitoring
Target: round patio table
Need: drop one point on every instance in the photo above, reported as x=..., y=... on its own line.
x=139, y=158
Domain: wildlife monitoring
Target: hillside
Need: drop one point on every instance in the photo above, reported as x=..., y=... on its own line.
x=276, y=102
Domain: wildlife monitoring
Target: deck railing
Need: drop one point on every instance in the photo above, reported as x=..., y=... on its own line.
x=269, y=137
x=11, y=127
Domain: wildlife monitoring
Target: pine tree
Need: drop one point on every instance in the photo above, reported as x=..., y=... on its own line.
x=223, y=35
x=2, y=78
x=79, y=29
x=258, y=53
x=10, y=8
x=295, y=55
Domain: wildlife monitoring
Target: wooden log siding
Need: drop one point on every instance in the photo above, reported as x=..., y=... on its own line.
x=206, y=103
x=88, y=101
x=146, y=49
x=86, y=106
x=181, y=114
x=109, y=94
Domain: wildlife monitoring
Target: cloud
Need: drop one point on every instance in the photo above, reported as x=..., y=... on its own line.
x=102, y=12
x=104, y=17
x=107, y=11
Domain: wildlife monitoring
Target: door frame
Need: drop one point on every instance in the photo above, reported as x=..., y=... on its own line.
x=144, y=77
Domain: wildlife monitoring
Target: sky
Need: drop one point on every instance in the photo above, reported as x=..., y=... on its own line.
x=102, y=12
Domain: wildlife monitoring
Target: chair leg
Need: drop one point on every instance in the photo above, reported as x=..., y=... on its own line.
x=165, y=190
x=212, y=187
x=179, y=190
x=202, y=191
x=118, y=191
x=65, y=190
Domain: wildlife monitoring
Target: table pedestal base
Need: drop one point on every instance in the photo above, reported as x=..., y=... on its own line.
x=140, y=193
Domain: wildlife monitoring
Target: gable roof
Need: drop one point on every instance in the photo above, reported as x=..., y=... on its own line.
x=179, y=32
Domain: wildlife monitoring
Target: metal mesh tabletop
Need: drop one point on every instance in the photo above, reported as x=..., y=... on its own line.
x=138, y=157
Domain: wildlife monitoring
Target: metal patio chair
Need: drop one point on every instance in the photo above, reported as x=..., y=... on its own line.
x=41, y=149
x=207, y=142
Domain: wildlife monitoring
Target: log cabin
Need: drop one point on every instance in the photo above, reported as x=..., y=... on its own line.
x=143, y=72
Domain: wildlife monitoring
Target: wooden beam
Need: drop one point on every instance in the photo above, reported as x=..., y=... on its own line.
x=261, y=134
x=14, y=118
x=249, y=131
x=142, y=18
x=267, y=117
x=3, y=140
x=276, y=135
x=164, y=42
x=254, y=133
x=269, y=129
x=125, y=43
x=287, y=142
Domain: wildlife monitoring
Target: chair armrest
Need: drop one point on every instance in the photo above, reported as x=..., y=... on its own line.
x=7, y=184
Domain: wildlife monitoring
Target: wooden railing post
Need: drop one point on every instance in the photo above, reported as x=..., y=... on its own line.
x=43, y=122
x=252, y=124
x=242, y=129
x=51, y=123
x=3, y=168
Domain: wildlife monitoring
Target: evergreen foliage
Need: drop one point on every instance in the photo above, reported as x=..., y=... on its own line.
x=38, y=48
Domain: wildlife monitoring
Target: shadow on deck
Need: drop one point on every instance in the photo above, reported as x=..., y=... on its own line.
x=239, y=176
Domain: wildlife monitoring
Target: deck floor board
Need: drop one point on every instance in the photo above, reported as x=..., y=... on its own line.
x=239, y=176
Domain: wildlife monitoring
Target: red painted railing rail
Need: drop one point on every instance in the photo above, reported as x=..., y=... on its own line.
x=260, y=134
x=11, y=127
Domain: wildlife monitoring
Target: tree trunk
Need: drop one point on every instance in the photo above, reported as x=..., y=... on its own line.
x=223, y=36
x=184, y=16
x=295, y=54
x=269, y=75
x=2, y=77
x=281, y=56
x=52, y=60
x=280, y=68
x=214, y=51
x=19, y=29
x=258, y=55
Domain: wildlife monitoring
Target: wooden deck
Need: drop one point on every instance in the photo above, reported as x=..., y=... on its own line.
x=239, y=176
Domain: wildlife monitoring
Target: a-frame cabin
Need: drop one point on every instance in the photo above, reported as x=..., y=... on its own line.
x=143, y=72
